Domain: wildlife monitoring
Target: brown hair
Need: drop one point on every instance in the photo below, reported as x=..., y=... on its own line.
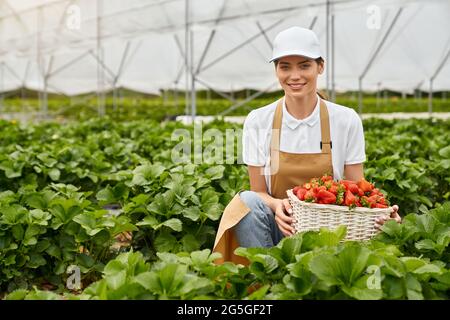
x=319, y=61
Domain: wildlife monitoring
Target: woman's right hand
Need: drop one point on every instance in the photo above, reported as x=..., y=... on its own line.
x=283, y=217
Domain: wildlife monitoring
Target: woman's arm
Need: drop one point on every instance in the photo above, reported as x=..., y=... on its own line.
x=258, y=185
x=279, y=206
x=354, y=172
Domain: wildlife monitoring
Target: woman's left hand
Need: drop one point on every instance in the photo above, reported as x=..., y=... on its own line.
x=394, y=215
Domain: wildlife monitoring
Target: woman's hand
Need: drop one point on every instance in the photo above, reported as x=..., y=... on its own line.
x=283, y=217
x=394, y=215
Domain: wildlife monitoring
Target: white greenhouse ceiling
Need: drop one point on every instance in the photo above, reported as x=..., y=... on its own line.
x=74, y=47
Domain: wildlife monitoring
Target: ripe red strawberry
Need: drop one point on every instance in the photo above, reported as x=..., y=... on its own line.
x=365, y=185
x=326, y=197
x=326, y=178
x=350, y=199
x=347, y=182
x=353, y=188
x=301, y=192
x=333, y=189
x=309, y=196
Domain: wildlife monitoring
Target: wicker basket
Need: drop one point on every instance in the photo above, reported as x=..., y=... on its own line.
x=360, y=221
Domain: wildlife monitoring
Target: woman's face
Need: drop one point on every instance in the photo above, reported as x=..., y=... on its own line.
x=298, y=75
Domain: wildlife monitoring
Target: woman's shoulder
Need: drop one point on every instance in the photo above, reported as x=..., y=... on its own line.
x=261, y=117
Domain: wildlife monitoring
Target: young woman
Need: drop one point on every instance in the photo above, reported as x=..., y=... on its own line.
x=288, y=142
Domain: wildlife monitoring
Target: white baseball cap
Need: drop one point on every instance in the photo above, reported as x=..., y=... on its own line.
x=296, y=41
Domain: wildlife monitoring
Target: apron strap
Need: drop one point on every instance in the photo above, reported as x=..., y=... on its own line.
x=325, y=143
x=275, y=141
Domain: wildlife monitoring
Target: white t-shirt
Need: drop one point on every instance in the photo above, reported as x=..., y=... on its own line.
x=304, y=136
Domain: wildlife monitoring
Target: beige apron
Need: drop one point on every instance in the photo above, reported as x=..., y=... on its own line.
x=293, y=169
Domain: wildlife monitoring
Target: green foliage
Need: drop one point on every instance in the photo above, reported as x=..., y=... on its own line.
x=67, y=192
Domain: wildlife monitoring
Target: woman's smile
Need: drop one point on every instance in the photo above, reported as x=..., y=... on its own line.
x=296, y=86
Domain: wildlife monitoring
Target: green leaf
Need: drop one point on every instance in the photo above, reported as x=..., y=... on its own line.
x=39, y=200
x=140, y=199
x=190, y=243
x=192, y=213
x=428, y=269
x=30, y=233
x=210, y=204
x=389, y=173
x=116, y=280
x=54, y=251
x=174, y=224
x=12, y=169
x=88, y=223
x=18, y=232
x=146, y=174
x=426, y=244
x=290, y=247
x=65, y=209
x=345, y=268
x=40, y=217
x=215, y=172
x=324, y=238
x=106, y=195
x=36, y=260
x=114, y=266
x=165, y=242
x=162, y=204
x=195, y=286
x=13, y=214
x=17, y=295
x=361, y=291
x=148, y=221
x=445, y=152
x=201, y=257
x=326, y=268
x=54, y=174
x=171, y=278
x=150, y=281
x=263, y=263
x=413, y=288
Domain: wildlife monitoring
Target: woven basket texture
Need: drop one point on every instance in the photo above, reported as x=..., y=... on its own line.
x=360, y=221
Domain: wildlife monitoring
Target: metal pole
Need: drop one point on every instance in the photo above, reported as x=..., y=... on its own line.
x=430, y=97
x=114, y=96
x=186, y=60
x=24, y=80
x=378, y=94
x=38, y=52
x=193, y=93
x=100, y=74
x=333, y=83
x=2, y=87
x=120, y=98
x=327, y=34
x=175, y=96
x=45, y=98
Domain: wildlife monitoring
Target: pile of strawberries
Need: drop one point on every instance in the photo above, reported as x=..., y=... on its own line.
x=349, y=193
